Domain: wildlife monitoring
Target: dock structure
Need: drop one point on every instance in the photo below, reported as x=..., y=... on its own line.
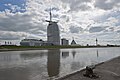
x=109, y=70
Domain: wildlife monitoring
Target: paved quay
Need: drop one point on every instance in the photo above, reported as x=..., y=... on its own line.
x=109, y=70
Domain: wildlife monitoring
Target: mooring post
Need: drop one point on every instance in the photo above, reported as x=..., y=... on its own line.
x=89, y=71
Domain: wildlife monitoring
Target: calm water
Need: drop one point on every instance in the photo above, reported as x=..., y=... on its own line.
x=49, y=64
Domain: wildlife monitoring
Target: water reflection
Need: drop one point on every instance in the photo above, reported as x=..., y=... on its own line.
x=14, y=74
x=26, y=56
x=75, y=65
x=97, y=54
x=73, y=53
x=9, y=69
x=65, y=54
x=47, y=64
x=9, y=57
x=8, y=60
x=53, y=63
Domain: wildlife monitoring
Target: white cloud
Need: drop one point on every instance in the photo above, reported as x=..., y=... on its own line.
x=74, y=17
x=107, y=4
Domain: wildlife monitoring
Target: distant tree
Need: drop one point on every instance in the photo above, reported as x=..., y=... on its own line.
x=5, y=42
x=10, y=42
x=87, y=44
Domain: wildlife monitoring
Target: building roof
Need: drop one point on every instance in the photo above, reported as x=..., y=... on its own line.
x=73, y=42
x=63, y=39
x=32, y=40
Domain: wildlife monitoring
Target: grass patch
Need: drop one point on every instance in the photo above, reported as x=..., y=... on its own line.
x=46, y=47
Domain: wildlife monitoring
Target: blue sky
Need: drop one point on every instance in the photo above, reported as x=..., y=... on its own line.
x=20, y=3
x=85, y=20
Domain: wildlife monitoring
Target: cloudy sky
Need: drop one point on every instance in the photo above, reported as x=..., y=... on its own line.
x=85, y=20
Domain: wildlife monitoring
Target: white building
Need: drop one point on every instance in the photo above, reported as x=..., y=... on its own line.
x=31, y=42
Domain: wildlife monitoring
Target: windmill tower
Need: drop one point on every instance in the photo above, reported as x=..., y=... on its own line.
x=53, y=33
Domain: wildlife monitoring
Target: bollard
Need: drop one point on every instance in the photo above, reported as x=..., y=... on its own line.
x=89, y=72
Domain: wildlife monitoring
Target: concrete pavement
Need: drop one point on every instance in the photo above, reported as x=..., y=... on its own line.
x=109, y=70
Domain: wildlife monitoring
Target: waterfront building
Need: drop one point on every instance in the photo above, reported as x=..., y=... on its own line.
x=53, y=36
x=53, y=33
x=34, y=42
x=31, y=42
x=64, y=41
x=73, y=42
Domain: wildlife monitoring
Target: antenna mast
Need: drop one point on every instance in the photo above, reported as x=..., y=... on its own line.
x=50, y=15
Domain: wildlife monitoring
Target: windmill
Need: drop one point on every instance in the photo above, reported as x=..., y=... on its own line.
x=53, y=33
